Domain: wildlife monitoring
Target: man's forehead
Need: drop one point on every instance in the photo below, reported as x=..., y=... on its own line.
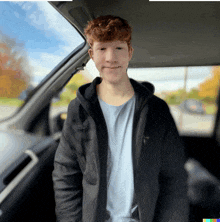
x=108, y=43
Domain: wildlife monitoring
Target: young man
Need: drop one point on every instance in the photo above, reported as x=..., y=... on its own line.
x=120, y=158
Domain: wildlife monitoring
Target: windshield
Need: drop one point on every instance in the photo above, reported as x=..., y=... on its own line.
x=34, y=38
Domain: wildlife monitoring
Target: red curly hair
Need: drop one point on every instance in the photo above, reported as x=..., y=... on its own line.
x=108, y=28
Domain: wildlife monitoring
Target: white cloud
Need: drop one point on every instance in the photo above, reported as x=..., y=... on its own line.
x=44, y=63
x=46, y=18
x=17, y=14
x=50, y=59
x=55, y=22
x=38, y=68
x=26, y=5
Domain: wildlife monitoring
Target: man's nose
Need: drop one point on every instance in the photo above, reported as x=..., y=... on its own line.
x=111, y=55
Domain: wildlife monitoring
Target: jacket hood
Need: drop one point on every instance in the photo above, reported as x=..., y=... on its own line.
x=149, y=86
x=88, y=97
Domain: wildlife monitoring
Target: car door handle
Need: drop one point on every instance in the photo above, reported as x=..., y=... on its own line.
x=15, y=177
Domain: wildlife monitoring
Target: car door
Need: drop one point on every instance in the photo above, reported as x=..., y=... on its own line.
x=203, y=170
x=27, y=144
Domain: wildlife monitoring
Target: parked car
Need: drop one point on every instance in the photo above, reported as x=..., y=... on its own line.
x=174, y=34
x=193, y=106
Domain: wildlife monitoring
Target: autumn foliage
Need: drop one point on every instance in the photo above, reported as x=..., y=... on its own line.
x=209, y=88
x=13, y=69
x=71, y=88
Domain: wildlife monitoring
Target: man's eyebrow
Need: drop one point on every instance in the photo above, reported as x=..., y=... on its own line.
x=98, y=46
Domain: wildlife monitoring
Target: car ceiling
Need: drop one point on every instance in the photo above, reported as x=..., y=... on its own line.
x=164, y=33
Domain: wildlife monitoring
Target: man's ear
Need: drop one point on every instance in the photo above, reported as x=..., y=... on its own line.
x=131, y=50
x=90, y=53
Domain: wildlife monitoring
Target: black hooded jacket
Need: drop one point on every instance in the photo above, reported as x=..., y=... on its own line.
x=158, y=160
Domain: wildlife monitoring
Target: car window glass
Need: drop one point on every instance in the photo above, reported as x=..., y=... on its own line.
x=190, y=92
x=58, y=110
x=34, y=38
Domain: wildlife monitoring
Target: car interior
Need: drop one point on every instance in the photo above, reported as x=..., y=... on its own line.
x=165, y=34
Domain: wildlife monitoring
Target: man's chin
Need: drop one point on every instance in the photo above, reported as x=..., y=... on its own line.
x=114, y=79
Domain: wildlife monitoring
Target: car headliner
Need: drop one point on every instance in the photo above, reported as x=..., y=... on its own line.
x=164, y=33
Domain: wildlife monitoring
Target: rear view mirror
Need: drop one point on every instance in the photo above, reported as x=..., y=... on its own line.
x=26, y=93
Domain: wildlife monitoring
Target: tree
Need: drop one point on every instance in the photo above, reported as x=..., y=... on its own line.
x=209, y=88
x=75, y=82
x=176, y=97
x=14, y=67
x=193, y=94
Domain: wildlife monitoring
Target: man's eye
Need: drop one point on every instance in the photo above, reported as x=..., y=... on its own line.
x=119, y=48
x=102, y=49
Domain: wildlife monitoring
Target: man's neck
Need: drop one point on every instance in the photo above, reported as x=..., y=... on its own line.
x=115, y=94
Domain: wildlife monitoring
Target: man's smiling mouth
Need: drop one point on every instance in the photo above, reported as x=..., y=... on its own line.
x=113, y=67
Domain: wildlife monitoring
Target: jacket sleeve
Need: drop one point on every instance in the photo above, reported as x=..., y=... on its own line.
x=172, y=204
x=67, y=179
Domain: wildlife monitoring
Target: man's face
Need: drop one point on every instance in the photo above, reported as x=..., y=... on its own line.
x=111, y=59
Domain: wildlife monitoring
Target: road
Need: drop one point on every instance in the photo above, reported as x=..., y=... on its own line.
x=188, y=123
x=185, y=122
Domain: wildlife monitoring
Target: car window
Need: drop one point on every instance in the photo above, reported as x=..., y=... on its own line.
x=190, y=92
x=58, y=110
x=69, y=91
x=34, y=38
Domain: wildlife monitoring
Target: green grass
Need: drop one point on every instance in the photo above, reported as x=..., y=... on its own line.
x=210, y=109
x=4, y=101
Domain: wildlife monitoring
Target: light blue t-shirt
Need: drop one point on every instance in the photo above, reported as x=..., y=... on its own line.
x=120, y=190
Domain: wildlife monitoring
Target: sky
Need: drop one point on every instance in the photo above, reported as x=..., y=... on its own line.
x=48, y=38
